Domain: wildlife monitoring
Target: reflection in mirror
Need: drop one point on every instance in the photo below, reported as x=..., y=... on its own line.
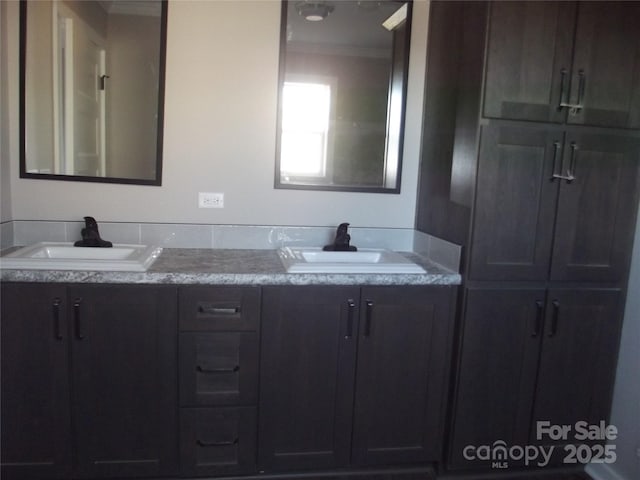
x=343, y=71
x=92, y=90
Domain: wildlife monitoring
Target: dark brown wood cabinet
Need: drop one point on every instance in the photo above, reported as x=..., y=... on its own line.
x=124, y=379
x=36, y=421
x=353, y=377
x=402, y=374
x=554, y=203
x=219, y=331
x=308, y=360
x=529, y=48
x=531, y=162
x=596, y=213
x=531, y=355
x=106, y=372
x=574, y=62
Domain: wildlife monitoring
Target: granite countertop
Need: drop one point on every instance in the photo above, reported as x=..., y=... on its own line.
x=233, y=267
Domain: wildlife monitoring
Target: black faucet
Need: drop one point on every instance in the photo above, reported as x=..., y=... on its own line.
x=341, y=243
x=91, y=236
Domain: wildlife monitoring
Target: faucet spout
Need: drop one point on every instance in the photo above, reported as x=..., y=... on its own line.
x=91, y=235
x=341, y=242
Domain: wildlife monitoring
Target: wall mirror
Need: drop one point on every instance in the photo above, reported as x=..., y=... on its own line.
x=92, y=90
x=342, y=92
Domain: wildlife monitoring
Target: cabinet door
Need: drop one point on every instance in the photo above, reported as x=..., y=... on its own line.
x=36, y=425
x=578, y=359
x=401, y=376
x=515, y=203
x=125, y=381
x=307, y=376
x=501, y=335
x=528, y=59
x=606, y=65
x=596, y=216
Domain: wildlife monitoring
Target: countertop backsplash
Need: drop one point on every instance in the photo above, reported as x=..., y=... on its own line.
x=261, y=237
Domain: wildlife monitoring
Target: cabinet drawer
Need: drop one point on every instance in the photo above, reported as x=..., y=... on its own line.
x=218, y=441
x=218, y=368
x=219, y=308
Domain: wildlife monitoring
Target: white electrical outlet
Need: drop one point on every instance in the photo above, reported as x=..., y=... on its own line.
x=210, y=200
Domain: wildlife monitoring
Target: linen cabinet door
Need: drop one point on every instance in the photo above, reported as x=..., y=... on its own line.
x=125, y=379
x=496, y=377
x=596, y=216
x=307, y=376
x=528, y=59
x=36, y=425
x=405, y=336
x=515, y=203
x=606, y=65
x=578, y=360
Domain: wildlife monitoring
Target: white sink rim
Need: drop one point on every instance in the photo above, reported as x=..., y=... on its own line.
x=64, y=256
x=365, y=260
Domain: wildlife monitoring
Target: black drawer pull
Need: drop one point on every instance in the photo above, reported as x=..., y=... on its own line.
x=224, y=443
x=202, y=369
x=56, y=318
x=211, y=310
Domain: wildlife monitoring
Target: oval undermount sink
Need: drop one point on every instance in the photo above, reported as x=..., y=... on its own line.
x=365, y=260
x=64, y=256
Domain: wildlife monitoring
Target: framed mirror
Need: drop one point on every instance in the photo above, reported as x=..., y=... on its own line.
x=342, y=94
x=92, y=90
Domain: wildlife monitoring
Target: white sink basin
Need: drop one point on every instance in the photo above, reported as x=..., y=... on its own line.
x=365, y=260
x=64, y=256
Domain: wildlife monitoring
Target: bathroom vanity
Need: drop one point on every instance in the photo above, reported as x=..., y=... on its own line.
x=216, y=363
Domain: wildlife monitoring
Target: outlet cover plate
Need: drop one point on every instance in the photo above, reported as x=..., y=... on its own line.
x=210, y=200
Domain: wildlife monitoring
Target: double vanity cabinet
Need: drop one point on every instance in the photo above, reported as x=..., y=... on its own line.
x=180, y=381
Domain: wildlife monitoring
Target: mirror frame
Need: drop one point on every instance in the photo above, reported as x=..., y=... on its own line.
x=157, y=181
x=278, y=183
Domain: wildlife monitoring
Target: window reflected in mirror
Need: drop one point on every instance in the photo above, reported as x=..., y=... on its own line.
x=92, y=81
x=343, y=70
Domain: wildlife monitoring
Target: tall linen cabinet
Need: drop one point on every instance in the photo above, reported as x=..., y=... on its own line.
x=530, y=160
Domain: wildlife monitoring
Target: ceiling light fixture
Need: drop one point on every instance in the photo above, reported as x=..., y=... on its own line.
x=314, y=11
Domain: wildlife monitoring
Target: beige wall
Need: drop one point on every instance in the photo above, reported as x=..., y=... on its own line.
x=220, y=123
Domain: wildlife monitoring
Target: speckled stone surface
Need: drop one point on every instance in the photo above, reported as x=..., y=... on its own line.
x=206, y=266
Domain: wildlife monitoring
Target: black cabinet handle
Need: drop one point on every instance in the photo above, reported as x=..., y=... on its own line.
x=570, y=174
x=582, y=84
x=539, y=317
x=56, y=318
x=574, y=108
x=351, y=307
x=554, y=318
x=556, y=150
x=202, y=369
x=224, y=443
x=572, y=163
x=367, y=319
x=77, y=318
x=211, y=310
x=563, y=86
